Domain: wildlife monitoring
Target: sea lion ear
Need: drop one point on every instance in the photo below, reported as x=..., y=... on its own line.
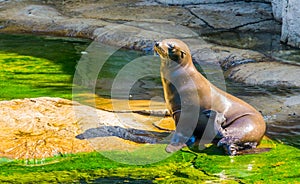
x=182, y=53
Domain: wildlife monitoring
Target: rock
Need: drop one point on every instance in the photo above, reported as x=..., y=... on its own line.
x=39, y=128
x=224, y=55
x=140, y=35
x=45, y=19
x=271, y=74
x=291, y=23
x=287, y=56
x=288, y=12
x=40, y=12
x=138, y=13
x=277, y=9
x=44, y=127
x=276, y=107
x=232, y=15
x=189, y=2
x=268, y=26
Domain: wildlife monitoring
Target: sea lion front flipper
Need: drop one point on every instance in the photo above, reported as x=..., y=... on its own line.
x=175, y=147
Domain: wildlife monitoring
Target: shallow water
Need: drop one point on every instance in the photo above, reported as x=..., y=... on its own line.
x=66, y=52
x=33, y=66
x=267, y=43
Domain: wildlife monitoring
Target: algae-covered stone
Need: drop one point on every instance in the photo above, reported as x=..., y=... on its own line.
x=281, y=164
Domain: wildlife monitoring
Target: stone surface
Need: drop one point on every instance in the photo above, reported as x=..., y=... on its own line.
x=39, y=128
x=232, y=15
x=140, y=36
x=81, y=18
x=45, y=127
x=277, y=9
x=45, y=19
x=74, y=18
x=291, y=23
x=188, y=2
x=266, y=74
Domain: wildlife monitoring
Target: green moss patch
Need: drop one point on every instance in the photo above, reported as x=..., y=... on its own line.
x=27, y=76
x=280, y=165
x=35, y=66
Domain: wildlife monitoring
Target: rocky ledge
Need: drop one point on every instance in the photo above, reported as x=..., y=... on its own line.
x=37, y=128
x=109, y=22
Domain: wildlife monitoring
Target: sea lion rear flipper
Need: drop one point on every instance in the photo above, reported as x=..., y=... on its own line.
x=253, y=151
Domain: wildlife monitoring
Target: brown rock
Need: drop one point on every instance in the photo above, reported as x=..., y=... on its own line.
x=39, y=128
x=44, y=127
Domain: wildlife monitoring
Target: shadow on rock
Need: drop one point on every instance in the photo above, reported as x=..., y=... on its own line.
x=135, y=135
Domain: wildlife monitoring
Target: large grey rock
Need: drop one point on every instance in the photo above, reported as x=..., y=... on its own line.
x=189, y=2
x=141, y=35
x=185, y=2
x=46, y=19
x=272, y=74
x=291, y=22
x=133, y=12
x=38, y=11
x=288, y=13
x=232, y=15
x=277, y=9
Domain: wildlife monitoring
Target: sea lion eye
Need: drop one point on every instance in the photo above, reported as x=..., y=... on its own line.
x=182, y=54
x=171, y=45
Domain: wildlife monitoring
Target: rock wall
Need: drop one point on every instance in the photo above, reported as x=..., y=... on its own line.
x=288, y=12
x=277, y=9
x=285, y=11
x=185, y=2
x=291, y=22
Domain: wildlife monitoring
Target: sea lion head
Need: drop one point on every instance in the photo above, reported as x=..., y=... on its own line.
x=173, y=50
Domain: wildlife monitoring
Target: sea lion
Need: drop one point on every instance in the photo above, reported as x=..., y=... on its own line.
x=189, y=96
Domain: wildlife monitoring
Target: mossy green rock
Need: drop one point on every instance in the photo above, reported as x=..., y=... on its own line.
x=280, y=165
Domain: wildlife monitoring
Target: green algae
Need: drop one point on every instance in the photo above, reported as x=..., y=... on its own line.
x=35, y=66
x=280, y=165
x=27, y=76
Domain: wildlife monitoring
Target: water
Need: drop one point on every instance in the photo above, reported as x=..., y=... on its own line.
x=66, y=52
x=283, y=121
x=34, y=66
x=266, y=43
